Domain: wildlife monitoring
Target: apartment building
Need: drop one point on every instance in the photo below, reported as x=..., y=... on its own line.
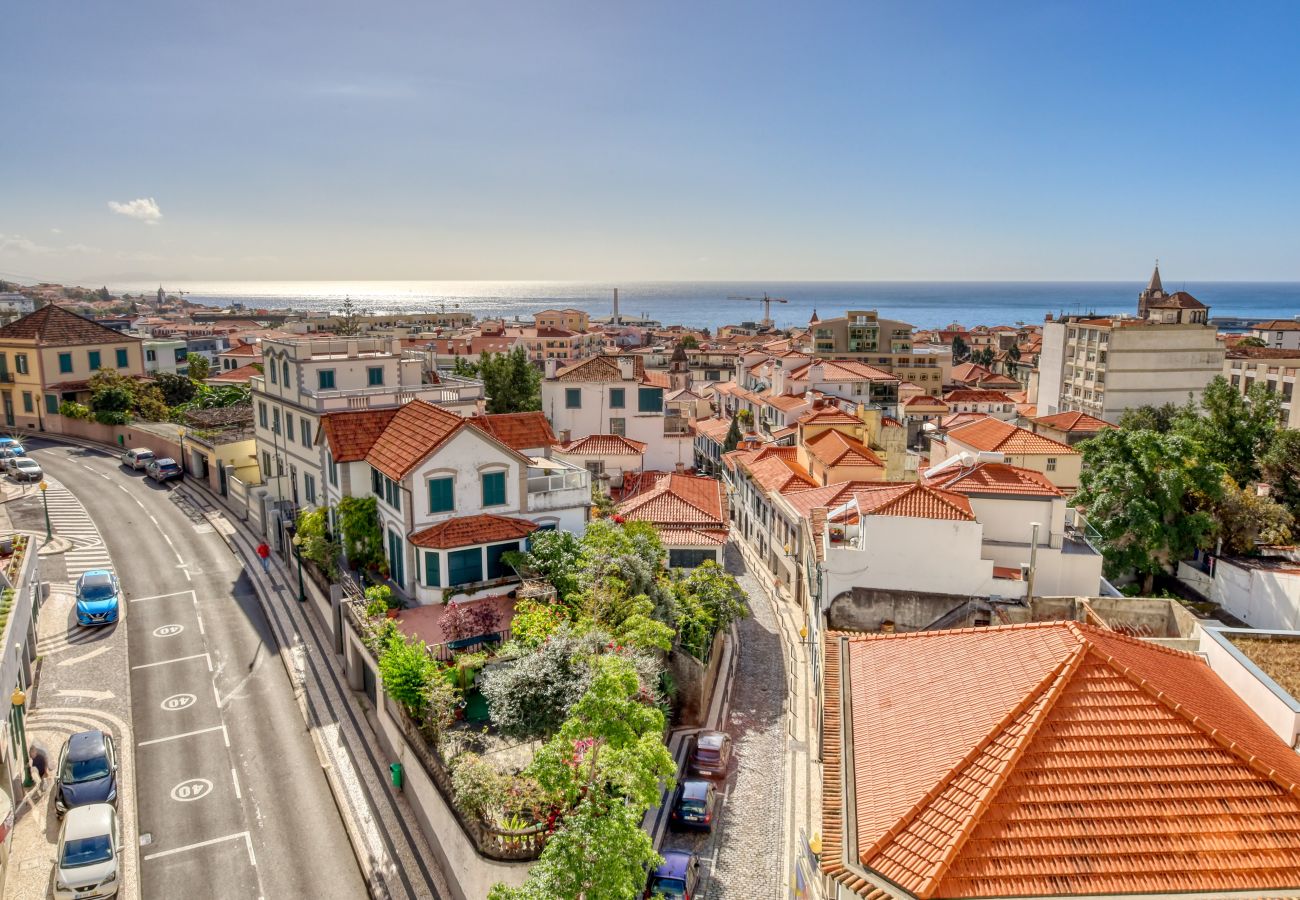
x=169, y=356
x=1104, y=365
x=863, y=336
x=1274, y=368
x=1279, y=334
x=453, y=497
x=304, y=379
x=566, y=319
x=1059, y=463
x=616, y=395
x=48, y=357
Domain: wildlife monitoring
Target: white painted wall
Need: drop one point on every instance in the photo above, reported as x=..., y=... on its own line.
x=1051, y=360
x=663, y=452
x=899, y=554
x=1263, y=599
x=1270, y=702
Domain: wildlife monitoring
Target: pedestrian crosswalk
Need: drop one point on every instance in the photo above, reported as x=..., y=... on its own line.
x=70, y=520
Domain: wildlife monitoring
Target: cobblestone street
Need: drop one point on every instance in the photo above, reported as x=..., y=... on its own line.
x=744, y=856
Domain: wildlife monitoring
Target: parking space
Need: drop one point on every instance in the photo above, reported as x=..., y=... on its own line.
x=190, y=799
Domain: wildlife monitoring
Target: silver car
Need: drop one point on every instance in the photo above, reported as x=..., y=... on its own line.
x=137, y=458
x=90, y=844
x=25, y=468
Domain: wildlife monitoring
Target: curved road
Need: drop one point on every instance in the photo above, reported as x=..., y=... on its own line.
x=230, y=797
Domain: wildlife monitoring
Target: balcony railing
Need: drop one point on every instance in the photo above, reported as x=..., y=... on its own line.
x=559, y=481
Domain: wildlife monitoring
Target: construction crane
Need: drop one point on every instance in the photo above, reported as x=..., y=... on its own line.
x=767, y=306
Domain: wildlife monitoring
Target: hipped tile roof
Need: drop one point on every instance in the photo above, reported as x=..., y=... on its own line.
x=834, y=448
x=467, y=531
x=996, y=478
x=518, y=431
x=678, y=500
x=1057, y=759
x=415, y=431
x=351, y=434
x=994, y=435
x=914, y=500
x=602, y=445
x=54, y=326
x=1074, y=422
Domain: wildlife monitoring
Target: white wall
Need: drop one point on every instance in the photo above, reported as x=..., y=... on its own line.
x=1269, y=701
x=899, y=554
x=1009, y=518
x=663, y=453
x=1261, y=598
x=1051, y=360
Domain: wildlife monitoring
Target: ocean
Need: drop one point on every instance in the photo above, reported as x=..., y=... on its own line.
x=708, y=304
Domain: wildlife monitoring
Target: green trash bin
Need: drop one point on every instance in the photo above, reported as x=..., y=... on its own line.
x=395, y=770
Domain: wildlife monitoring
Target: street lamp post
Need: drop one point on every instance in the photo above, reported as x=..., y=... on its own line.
x=46, y=503
x=18, y=698
x=184, y=468
x=297, y=552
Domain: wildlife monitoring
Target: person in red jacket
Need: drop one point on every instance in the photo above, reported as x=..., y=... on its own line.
x=264, y=553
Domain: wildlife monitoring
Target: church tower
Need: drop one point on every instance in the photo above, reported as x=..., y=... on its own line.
x=679, y=369
x=1155, y=292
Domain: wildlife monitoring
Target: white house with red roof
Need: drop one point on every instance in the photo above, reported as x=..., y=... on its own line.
x=689, y=512
x=452, y=495
x=1061, y=463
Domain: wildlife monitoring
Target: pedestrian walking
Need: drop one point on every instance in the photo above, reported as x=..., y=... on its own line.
x=41, y=763
x=264, y=554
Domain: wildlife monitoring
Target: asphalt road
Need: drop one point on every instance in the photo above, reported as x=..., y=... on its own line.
x=230, y=797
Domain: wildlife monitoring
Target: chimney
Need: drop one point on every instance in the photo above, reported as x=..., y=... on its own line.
x=552, y=365
x=615, y=319
x=565, y=435
x=626, y=367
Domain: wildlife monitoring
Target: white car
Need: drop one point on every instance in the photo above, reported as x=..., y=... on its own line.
x=137, y=458
x=90, y=844
x=24, y=468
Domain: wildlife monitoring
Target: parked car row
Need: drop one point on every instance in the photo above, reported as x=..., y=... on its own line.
x=86, y=863
x=16, y=463
x=693, y=807
x=160, y=469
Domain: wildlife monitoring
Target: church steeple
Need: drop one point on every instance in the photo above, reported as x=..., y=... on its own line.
x=1154, y=286
x=1155, y=291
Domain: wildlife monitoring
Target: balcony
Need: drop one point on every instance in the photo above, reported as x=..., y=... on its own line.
x=553, y=484
x=451, y=391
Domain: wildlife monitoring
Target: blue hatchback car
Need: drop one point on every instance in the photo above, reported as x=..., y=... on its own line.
x=87, y=772
x=98, y=598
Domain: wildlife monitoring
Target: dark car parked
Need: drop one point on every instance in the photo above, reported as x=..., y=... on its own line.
x=164, y=469
x=678, y=877
x=87, y=772
x=693, y=805
x=709, y=755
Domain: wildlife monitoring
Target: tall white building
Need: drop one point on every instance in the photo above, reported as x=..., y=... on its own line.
x=1104, y=365
x=304, y=379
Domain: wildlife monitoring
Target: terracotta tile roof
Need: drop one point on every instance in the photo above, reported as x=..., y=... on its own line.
x=415, y=431
x=1074, y=422
x=830, y=496
x=518, y=431
x=834, y=448
x=54, y=326
x=678, y=500
x=965, y=418
x=242, y=350
x=842, y=370
x=778, y=474
x=466, y=531
x=692, y=537
x=1051, y=760
x=914, y=500
x=714, y=429
x=996, y=478
x=1276, y=325
x=1176, y=300
x=602, y=445
x=605, y=369
x=991, y=434
x=1261, y=353
x=236, y=376
x=828, y=415
x=973, y=374
x=786, y=402
x=972, y=395
x=926, y=401
x=350, y=435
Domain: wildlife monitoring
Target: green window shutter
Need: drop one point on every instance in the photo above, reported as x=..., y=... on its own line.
x=573, y=398
x=440, y=498
x=495, y=567
x=28, y=405
x=494, y=488
x=123, y=360
x=65, y=363
x=432, y=569
x=650, y=400
x=52, y=404
x=376, y=482
x=464, y=566
x=375, y=375
x=93, y=357
x=325, y=379
x=617, y=398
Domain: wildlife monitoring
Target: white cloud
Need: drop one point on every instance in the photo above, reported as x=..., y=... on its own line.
x=145, y=209
x=16, y=243
x=56, y=231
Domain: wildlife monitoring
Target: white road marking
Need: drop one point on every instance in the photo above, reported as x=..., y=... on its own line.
x=192, y=789
x=208, y=843
x=201, y=631
x=160, y=596
x=169, y=661
x=168, y=539
x=152, y=519
x=123, y=488
x=85, y=656
x=137, y=502
x=234, y=776
x=168, y=630
x=177, y=737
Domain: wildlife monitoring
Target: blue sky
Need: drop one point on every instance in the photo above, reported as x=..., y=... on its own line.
x=612, y=140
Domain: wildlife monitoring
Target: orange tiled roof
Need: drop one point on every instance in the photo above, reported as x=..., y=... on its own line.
x=692, y=537
x=914, y=500
x=965, y=418
x=350, y=435
x=415, y=431
x=992, y=434
x=236, y=376
x=926, y=401
x=828, y=415
x=714, y=429
x=603, y=445
x=605, y=369
x=972, y=395
x=54, y=326
x=778, y=473
x=466, y=531
x=1054, y=759
x=518, y=431
x=833, y=448
x=1075, y=422
x=996, y=478
x=786, y=402
x=842, y=370
x=678, y=500
x=830, y=496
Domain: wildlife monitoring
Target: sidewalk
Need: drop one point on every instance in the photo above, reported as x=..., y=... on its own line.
x=395, y=859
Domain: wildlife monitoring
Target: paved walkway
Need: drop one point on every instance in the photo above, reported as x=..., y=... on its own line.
x=394, y=856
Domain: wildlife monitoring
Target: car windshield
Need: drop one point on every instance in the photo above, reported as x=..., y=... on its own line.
x=97, y=587
x=76, y=771
x=25, y=463
x=692, y=805
x=706, y=754
x=668, y=887
x=86, y=851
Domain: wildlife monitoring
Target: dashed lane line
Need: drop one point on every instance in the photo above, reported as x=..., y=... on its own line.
x=165, y=662
x=177, y=737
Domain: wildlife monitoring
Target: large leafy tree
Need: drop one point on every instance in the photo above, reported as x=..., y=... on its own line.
x=198, y=367
x=175, y=389
x=1233, y=430
x=512, y=383
x=1149, y=418
x=528, y=698
x=732, y=439
x=1146, y=493
x=1244, y=519
x=1280, y=467
x=960, y=350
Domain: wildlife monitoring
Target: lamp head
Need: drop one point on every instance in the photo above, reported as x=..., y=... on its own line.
x=18, y=698
x=44, y=487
